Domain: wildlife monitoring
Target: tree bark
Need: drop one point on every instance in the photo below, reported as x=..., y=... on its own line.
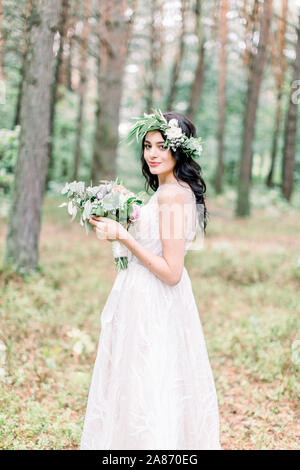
x=82, y=85
x=71, y=40
x=114, y=33
x=251, y=25
x=279, y=64
x=1, y=42
x=222, y=97
x=289, y=151
x=197, y=85
x=178, y=59
x=254, y=83
x=63, y=21
x=22, y=71
x=25, y=212
x=154, y=57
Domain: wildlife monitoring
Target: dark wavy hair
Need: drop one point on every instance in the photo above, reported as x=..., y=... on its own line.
x=186, y=169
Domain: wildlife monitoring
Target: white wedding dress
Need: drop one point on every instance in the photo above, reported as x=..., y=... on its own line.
x=152, y=385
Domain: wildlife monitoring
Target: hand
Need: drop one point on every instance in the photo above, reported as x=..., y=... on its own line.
x=108, y=229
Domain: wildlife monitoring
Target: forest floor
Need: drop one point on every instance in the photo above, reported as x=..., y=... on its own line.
x=246, y=283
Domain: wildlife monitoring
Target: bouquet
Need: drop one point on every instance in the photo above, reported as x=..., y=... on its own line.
x=109, y=199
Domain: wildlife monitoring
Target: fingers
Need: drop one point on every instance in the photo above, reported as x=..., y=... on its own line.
x=93, y=222
x=94, y=219
x=100, y=231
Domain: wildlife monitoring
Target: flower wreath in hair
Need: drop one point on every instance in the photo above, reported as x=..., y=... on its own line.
x=175, y=137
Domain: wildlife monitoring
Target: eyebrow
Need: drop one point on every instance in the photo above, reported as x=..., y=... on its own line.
x=160, y=142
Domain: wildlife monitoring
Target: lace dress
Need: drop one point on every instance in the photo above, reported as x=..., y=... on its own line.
x=152, y=385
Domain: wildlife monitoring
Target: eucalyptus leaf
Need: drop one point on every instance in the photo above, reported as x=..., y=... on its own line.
x=70, y=207
x=87, y=227
x=74, y=213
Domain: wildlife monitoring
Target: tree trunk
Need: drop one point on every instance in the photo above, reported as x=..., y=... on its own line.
x=1, y=42
x=71, y=37
x=22, y=70
x=114, y=32
x=251, y=25
x=63, y=21
x=289, y=151
x=254, y=84
x=197, y=85
x=222, y=98
x=178, y=59
x=275, y=137
x=82, y=85
x=25, y=213
x=152, y=71
x=279, y=64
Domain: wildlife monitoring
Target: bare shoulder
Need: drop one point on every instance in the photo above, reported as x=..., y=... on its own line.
x=170, y=194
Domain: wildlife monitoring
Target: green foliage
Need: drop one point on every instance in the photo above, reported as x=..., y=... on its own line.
x=65, y=140
x=9, y=143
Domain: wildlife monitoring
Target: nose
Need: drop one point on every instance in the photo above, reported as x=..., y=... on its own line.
x=152, y=153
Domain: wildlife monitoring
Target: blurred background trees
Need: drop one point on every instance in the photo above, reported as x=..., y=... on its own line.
x=233, y=66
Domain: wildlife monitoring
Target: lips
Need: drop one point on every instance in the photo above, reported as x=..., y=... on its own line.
x=154, y=164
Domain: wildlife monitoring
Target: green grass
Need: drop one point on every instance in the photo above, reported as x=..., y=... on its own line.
x=246, y=283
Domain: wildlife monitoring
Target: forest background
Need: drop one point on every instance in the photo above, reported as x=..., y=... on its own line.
x=73, y=74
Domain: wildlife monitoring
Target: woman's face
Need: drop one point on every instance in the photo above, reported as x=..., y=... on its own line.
x=154, y=152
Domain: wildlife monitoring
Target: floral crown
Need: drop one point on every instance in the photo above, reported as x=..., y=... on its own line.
x=175, y=137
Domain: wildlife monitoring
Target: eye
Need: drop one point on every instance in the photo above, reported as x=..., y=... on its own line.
x=162, y=147
x=146, y=146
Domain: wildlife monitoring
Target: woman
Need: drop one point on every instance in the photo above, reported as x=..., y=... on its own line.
x=152, y=384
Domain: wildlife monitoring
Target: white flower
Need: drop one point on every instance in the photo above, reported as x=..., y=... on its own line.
x=198, y=147
x=74, y=212
x=122, y=199
x=195, y=145
x=70, y=207
x=173, y=123
x=174, y=133
x=87, y=210
x=74, y=333
x=65, y=189
x=88, y=344
x=78, y=347
x=77, y=187
x=92, y=191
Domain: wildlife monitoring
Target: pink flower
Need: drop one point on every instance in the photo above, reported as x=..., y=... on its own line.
x=100, y=193
x=135, y=213
x=121, y=189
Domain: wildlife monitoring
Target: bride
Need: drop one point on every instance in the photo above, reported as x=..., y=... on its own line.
x=152, y=385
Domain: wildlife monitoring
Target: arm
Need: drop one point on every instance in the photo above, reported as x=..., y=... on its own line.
x=168, y=267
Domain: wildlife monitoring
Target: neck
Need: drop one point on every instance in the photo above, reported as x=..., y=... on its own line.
x=168, y=180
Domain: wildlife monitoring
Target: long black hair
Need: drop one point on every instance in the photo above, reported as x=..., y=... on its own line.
x=186, y=168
